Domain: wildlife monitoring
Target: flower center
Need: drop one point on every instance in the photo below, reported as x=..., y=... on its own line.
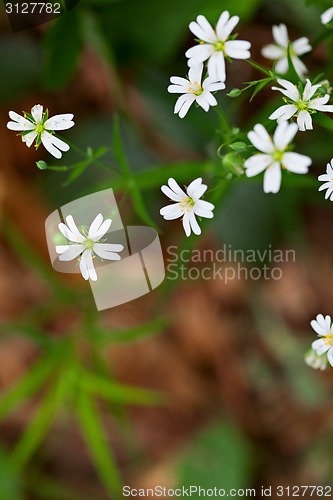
x=302, y=105
x=39, y=128
x=195, y=88
x=186, y=204
x=329, y=339
x=89, y=244
x=219, y=46
x=277, y=156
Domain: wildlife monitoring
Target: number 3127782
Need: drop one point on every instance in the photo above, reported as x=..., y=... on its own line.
x=33, y=8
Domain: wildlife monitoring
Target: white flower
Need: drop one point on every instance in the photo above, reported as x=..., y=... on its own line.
x=187, y=205
x=273, y=156
x=279, y=51
x=327, y=16
x=86, y=244
x=192, y=90
x=302, y=105
x=312, y=359
x=215, y=45
x=38, y=126
x=324, y=328
x=328, y=181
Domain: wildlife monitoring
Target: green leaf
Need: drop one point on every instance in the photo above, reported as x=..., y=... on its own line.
x=103, y=335
x=62, y=45
x=323, y=120
x=219, y=452
x=10, y=483
x=117, y=393
x=37, y=430
x=27, y=386
x=97, y=443
x=234, y=93
x=131, y=185
x=293, y=75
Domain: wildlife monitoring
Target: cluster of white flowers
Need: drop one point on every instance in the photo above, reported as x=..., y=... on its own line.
x=215, y=45
x=321, y=352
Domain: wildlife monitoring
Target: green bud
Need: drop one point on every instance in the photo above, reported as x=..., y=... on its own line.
x=42, y=165
x=234, y=93
x=238, y=146
x=233, y=163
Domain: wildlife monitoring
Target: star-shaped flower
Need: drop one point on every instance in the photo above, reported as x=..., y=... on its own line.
x=278, y=51
x=273, y=156
x=301, y=104
x=188, y=205
x=38, y=127
x=324, y=328
x=216, y=45
x=85, y=245
x=193, y=91
x=328, y=181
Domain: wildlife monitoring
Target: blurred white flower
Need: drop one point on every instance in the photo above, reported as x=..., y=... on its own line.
x=86, y=245
x=216, y=44
x=278, y=51
x=273, y=156
x=302, y=105
x=327, y=16
x=324, y=328
x=188, y=205
x=312, y=359
x=193, y=91
x=38, y=126
x=328, y=181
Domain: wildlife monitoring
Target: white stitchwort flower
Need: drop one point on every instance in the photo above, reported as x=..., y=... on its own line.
x=324, y=328
x=187, y=205
x=301, y=104
x=192, y=90
x=327, y=16
x=312, y=359
x=278, y=51
x=274, y=155
x=328, y=181
x=216, y=44
x=38, y=126
x=85, y=245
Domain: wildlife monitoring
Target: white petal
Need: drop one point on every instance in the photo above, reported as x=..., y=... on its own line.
x=272, y=51
x=294, y=162
x=72, y=253
x=216, y=67
x=209, y=98
x=19, y=122
x=183, y=104
x=170, y=194
x=98, y=228
x=203, y=30
x=75, y=234
x=281, y=66
x=202, y=101
x=29, y=138
x=176, y=188
x=299, y=65
x=310, y=90
x=194, y=224
x=37, y=113
x=320, y=104
x=178, y=80
x=272, y=178
x=199, y=52
x=196, y=189
x=330, y=356
x=238, y=49
x=186, y=224
x=304, y=120
x=51, y=143
x=60, y=122
x=203, y=205
x=256, y=164
x=289, y=89
x=178, y=89
x=87, y=266
x=284, y=134
x=318, y=328
x=327, y=16
x=280, y=35
x=301, y=46
x=108, y=251
x=226, y=28
x=195, y=73
x=173, y=211
x=223, y=19
x=261, y=139
x=211, y=85
x=283, y=112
